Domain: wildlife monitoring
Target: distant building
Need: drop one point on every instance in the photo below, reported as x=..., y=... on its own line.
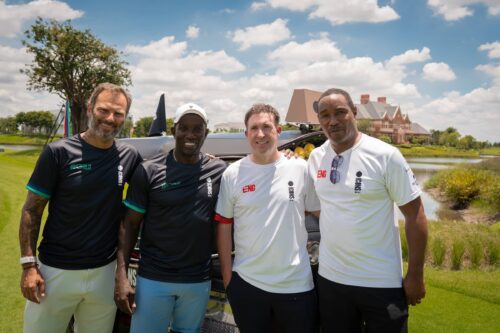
x=385, y=119
x=229, y=127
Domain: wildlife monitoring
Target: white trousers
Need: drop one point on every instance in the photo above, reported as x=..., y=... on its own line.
x=87, y=294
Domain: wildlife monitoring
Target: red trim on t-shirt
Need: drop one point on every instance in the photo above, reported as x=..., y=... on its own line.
x=221, y=219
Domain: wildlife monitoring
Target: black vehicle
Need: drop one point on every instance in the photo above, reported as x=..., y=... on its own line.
x=218, y=317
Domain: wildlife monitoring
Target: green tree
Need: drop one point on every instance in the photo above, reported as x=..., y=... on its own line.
x=142, y=126
x=435, y=135
x=70, y=63
x=467, y=142
x=449, y=139
x=8, y=125
x=170, y=124
x=364, y=125
x=127, y=128
x=385, y=138
x=35, y=121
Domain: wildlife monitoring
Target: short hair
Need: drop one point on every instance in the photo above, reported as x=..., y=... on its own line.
x=334, y=91
x=113, y=88
x=262, y=108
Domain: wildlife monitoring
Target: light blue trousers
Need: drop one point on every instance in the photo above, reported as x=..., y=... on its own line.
x=160, y=305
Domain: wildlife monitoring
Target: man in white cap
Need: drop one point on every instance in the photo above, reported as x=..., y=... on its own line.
x=174, y=195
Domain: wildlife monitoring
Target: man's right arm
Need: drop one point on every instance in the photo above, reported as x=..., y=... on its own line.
x=32, y=282
x=129, y=231
x=224, y=248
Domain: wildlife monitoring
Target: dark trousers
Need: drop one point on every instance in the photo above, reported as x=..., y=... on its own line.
x=258, y=311
x=352, y=309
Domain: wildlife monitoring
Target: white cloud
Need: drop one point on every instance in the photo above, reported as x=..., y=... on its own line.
x=264, y=34
x=471, y=112
x=340, y=11
x=410, y=56
x=492, y=48
x=256, y=6
x=14, y=97
x=163, y=48
x=12, y=17
x=438, y=71
x=294, y=53
x=453, y=10
x=192, y=32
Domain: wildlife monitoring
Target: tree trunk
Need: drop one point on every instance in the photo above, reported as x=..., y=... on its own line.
x=78, y=118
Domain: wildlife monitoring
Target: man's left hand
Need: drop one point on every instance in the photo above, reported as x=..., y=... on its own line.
x=414, y=287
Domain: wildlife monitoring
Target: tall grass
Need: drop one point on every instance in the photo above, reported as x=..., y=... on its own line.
x=457, y=254
x=476, y=251
x=438, y=252
x=458, y=245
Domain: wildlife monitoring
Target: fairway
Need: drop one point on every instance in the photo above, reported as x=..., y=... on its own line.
x=463, y=301
x=15, y=169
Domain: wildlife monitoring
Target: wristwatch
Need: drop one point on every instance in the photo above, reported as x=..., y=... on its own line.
x=27, y=260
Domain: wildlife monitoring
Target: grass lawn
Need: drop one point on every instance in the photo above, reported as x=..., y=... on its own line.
x=15, y=169
x=456, y=301
x=436, y=151
x=10, y=139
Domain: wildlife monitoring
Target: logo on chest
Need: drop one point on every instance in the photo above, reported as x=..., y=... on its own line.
x=80, y=166
x=321, y=174
x=120, y=175
x=249, y=188
x=209, y=187
x=166, y=186
x=291, y=191
x=358, y=183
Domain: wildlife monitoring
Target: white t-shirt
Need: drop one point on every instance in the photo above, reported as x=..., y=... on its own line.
x=267, y=204
x=360, y=242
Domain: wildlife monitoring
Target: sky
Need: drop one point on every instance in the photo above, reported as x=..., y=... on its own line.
x=438, y=59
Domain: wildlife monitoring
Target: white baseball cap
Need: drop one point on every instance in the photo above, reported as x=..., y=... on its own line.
x=190, y=108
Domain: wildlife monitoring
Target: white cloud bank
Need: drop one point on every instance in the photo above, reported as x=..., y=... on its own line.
x=438, y=71
x=263, y=34
x=492, y=48
x=454, y=10
x=336, y=12
x=12, y=17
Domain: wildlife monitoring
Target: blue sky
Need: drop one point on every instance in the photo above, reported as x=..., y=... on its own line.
x=438, y=59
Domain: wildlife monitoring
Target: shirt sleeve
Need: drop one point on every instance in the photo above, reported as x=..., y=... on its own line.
x=138, y=191
x=312, y=202
x=400, y=181
x=224, y=212
x=44, y=178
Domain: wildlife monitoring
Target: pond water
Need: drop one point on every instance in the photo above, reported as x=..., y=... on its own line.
x=18, y=147
x=423, y=168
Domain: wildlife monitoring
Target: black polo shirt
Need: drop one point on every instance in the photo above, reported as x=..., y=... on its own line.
x=178, y=201
x=84, y=185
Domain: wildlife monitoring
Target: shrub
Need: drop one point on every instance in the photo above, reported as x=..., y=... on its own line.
x=463, y=184
x=457, y=254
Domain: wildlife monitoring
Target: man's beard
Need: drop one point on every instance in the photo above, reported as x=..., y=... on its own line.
x=93, y=125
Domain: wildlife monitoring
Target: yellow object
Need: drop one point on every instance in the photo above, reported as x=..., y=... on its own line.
x=309, y=148
x=300, y=152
